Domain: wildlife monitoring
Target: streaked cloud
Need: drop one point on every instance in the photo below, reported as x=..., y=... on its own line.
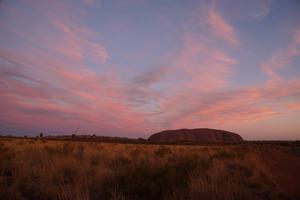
x=244, y=9
x=66, y=65
x=281, y=59
x=222, y=29
x=77, y=44
x=293, y=106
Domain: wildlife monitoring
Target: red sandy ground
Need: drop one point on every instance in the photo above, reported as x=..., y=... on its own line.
x=285, y=168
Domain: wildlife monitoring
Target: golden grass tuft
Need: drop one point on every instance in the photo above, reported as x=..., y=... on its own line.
x=65, y=170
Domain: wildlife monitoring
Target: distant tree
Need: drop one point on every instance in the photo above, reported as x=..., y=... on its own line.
x=73, y=135
x=142, y=139
x=25, y=136
x=41, y=134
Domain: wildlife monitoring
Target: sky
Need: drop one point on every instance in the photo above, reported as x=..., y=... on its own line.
x=130, y=68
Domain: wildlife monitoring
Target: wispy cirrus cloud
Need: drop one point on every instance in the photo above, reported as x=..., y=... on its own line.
x=72, y=96
x=244, y=9
x=281, y=59
x=231, y=106
x=293, y=106
x=222, y=29
x=205, y=99
x=52, y=79
x=61, y=76
x=78, y=45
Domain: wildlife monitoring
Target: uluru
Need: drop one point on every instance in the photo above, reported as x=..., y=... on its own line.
x=195, y=135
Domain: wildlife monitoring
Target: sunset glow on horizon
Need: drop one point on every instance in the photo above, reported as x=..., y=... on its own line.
x=130, y=68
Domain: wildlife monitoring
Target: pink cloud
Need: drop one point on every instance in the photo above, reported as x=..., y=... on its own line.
x=73, y=95
x=204, y=66
x=51, y=86
x=198, y=70
x=60, y=31
x=70, y=107
x=232, y=106
x=293, y=106
x=222, y=29
x=77, y=43
x=281, y=59
x=297, y=36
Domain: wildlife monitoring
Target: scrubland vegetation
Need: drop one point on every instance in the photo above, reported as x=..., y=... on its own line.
x=46, y=170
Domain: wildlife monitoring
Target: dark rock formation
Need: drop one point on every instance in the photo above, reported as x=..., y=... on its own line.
x=195, y=135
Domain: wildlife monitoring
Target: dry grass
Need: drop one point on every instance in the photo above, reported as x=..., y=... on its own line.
x=65, y=170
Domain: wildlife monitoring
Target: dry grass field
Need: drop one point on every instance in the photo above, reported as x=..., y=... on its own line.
x=40, y=169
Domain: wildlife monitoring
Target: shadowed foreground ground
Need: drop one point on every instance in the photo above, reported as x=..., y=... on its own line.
x=285, y=168
x=45, y=169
